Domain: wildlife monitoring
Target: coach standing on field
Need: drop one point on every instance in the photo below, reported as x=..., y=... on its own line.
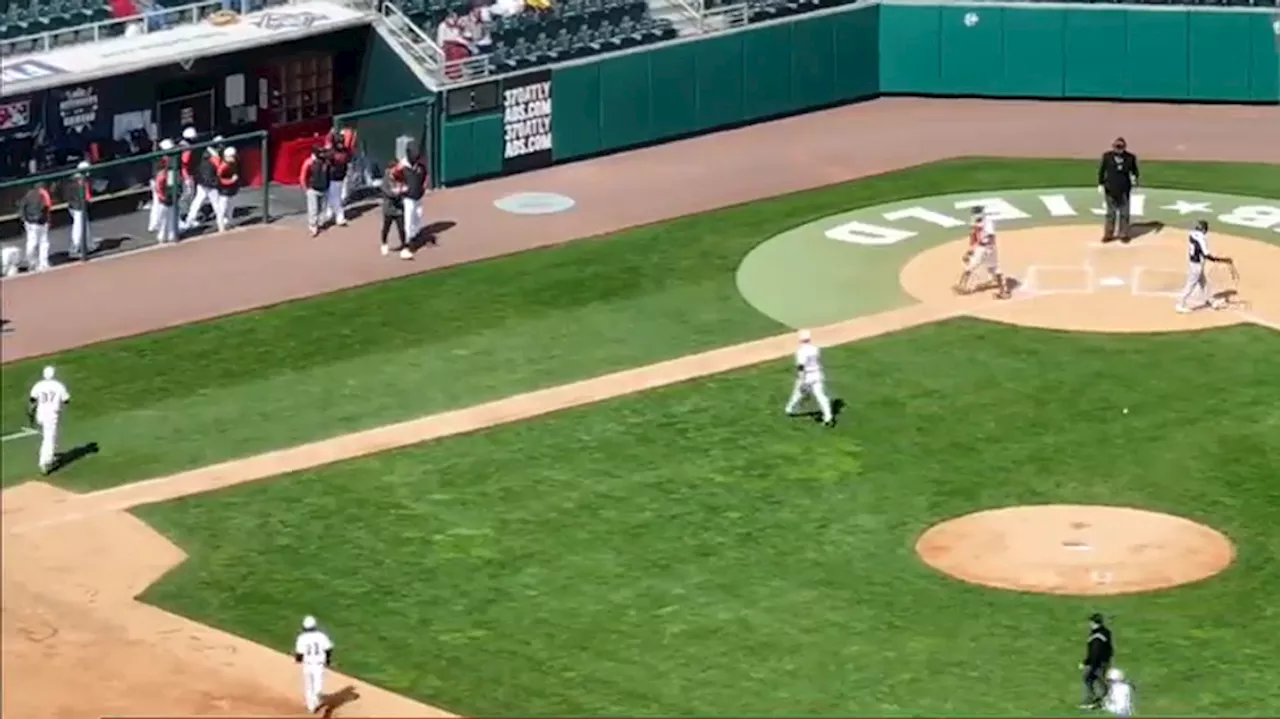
x=1099, y=651
x=1117, y=176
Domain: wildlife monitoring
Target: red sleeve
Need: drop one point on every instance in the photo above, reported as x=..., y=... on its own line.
x=185, y=163
x=45, y=199
x=88, y=191
x=162, y=183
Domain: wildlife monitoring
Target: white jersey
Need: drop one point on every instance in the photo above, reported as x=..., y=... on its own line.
x=313, y=646
x=809, y=362
x=1197, y=247
x=1119, y=699
x=984, y=230
x=50, y=395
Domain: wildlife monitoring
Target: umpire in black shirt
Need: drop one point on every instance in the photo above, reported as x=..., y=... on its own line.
x=1117, y=176
x=1098, y=653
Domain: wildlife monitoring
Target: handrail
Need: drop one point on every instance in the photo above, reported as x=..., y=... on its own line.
x=693, y=12
x=417, y=38
x=259, y=135
x=147, y=22
x=723, y=17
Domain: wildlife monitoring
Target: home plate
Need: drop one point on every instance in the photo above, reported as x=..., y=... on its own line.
x=1111, y=282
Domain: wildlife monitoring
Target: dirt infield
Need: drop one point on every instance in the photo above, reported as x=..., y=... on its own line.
x=1067, y=280
x=1075, y=550
x=73, y=563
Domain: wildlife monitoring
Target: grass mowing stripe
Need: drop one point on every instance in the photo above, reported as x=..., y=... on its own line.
x=690, y=551
x=225, y=388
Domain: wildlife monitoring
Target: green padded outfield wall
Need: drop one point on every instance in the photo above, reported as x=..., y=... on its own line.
x=1160, y=53
x=731, y=79
x=470, y=148
x=983, y=50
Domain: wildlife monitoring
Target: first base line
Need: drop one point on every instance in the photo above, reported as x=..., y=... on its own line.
x=24, y=432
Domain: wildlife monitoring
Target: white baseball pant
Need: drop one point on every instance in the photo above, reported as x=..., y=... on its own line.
x=166, y=225
x=1196, y=280
x=80, y=242
x=48, y=439
x=315, y=209
x=156, y=210
x=335, y=207
x=204, y=195
x=810, y=386
x=412, y=218
x=312, y=685
x=37, y=246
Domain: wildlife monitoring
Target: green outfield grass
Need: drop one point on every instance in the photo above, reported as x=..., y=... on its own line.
x=353, y=360
x=692, y=552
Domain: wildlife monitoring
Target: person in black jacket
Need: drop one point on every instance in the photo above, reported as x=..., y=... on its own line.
x=1117, y=176
x=79, y=197
x=1099, y=651
x=393, y=215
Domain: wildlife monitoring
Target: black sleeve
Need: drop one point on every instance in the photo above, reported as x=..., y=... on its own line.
x=1134, y=165
x=328, y=657
x=1102, y=169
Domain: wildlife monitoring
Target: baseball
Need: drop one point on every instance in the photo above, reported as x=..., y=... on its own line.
x=1125, y=410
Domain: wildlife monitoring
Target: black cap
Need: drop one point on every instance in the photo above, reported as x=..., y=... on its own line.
x=1119, y=144
x=1096, y=618
x=1202, y=225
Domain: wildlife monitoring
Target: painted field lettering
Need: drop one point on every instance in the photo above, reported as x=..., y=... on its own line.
x=1137, y=207
x=1057, y=205
x=996, y=208
x=920, y=213
x=1259, y=217
x=861, y=233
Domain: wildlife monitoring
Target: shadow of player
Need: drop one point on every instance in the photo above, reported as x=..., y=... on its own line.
x=330, y=703
x=73, y=455
x=837, y=406
x=1137, y=230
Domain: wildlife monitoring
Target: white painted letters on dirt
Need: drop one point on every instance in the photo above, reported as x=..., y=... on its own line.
x=1259, y=217
x=1058, y=206
x=920, y=213
x=996, y=208
x=861, y=233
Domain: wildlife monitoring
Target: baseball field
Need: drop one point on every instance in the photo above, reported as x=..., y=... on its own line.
x=561, y=483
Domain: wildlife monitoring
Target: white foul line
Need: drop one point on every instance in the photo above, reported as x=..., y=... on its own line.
x=24, y=432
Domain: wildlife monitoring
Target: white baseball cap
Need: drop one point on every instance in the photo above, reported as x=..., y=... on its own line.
x=229, y=152
x=308, y=622
x=805, y=336
x=84, y=165
x=189, y=133
x=166, y=144
x=1114, y=674
x=48, y=372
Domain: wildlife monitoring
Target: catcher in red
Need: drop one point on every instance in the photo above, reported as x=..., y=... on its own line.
x=982, y=255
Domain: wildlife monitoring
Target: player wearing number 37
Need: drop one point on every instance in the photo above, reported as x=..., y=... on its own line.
x=43, y=409
x=314, y=651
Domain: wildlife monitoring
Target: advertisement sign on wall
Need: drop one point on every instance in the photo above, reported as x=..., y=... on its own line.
x=526, y=122
x=15, y=117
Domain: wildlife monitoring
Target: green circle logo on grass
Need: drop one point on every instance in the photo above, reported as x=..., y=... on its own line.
x=847, y=265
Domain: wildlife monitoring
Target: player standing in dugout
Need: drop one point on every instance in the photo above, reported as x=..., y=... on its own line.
x=1117, y=176
x=1099, y=651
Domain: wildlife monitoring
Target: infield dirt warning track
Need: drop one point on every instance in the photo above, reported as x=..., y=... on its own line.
x=73, y=563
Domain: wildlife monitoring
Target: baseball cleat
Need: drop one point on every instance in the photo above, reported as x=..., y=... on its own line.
x=1183, y=309
x=406, y=254
x=385, y=250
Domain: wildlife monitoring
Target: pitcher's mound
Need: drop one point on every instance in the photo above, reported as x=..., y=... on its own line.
x=1076, y=550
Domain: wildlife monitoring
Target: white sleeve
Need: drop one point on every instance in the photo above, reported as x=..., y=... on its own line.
x=297, y=645
x=66, y=393
x=326, y=643
x=35, y=390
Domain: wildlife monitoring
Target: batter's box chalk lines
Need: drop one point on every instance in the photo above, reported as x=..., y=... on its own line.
x=1035, y=275
x=24, y=432
x=1141, y=272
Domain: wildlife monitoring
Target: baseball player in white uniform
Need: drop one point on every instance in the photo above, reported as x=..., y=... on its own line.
x=314, y=651
x=44, y=409
x=982, y=254
x=810, y=379
x=1119, y=699
x=1197, y=280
